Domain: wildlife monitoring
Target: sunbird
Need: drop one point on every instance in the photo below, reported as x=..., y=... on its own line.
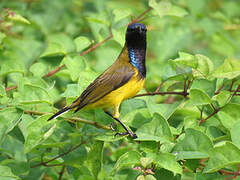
x=122, y=80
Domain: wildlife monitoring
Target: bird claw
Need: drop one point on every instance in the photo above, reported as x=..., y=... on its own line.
x=134, y=136
x=113, y=128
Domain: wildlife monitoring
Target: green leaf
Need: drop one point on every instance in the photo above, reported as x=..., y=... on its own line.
x=38, y=131
x=229, y=69
x=32, y=94
x=81, y=43
x=235, y=133
x=95, y=158
x=223, y=97
x=2, y=36
x=2, y=90
x=18, y=18
x=59, y=44
x=108, y=137
x=205, y=85
x=121, y=13
x=222, y=156
x=204, y=67
x=147, y=177
x=17, y=167
x=118, y=36
x=71, y=91
x=226, y=120
x=38, y=69
x=145, y=161
x=86, y=77
x=168, y=161
x=166, y=110
x=198, y=97
x=229, y=114
x=186, y=60
x=14, y=148
x=128, y=159
x=9, y=118
x=6, y=173
x=74, y=159
x=10, y=65
x=156, y=130
x=191, y=155
x=194, y=145
x=137, y=117
x=54, y=49
x=75, y=66
x=209, y=176
x=164, y=8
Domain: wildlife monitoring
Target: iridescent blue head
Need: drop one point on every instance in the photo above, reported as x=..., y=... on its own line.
x=137, y=44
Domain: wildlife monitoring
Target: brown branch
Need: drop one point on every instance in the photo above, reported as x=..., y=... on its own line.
x=10, y=88
x=213, y=113
x=50, y=73
x=160, y=85
x=138, y=18
x=45, y=163
x=223, y=172
x=217, y=109
x=230, y=88
x=201, y=114
x=61, y=172
x=162, y=93
x=73, y=119
x=219, y=89
x=235, y=92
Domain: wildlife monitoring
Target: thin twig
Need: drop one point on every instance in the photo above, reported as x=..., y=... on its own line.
x=45, y=163
x=61, y=172
x=217, y=109
x=10, y=88
x=140, y=16
x=235, y=92
x=230, y=88
x=162, y=93
x=72, y=119
x=224, y=172
x=214, y=112
x=219, y=89
x=50, y=73
x=201, y=113
x=160, y=85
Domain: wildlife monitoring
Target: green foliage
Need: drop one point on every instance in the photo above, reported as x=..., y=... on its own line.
x=48, y=57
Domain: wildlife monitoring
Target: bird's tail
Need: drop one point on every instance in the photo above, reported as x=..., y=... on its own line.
x=62, y=111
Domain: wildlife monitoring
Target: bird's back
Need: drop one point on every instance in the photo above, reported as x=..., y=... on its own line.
x=118, y=82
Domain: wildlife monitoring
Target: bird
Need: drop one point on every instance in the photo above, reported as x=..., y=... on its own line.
x=121, y=81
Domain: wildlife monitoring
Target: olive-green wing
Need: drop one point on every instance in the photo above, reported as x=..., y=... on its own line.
x=110, y=80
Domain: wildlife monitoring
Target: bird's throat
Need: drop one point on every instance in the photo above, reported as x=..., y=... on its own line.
x=137, y=59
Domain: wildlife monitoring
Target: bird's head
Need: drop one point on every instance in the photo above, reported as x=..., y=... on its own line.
x=136, y=28
x=136, y=35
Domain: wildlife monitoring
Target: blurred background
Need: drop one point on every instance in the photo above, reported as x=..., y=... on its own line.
x=38, y=36
x=209, y=27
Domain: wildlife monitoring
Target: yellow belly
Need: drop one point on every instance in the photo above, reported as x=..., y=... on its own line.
x=114, y=98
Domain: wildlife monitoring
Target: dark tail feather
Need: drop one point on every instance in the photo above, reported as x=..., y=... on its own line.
x=62, y=111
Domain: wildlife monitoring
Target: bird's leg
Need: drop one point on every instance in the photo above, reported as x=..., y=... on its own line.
x=128, y=131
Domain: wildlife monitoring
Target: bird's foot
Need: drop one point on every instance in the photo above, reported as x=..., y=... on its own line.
x=113, y=128
x=134, y=136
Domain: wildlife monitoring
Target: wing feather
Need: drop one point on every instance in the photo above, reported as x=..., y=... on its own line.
x=113, y=78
